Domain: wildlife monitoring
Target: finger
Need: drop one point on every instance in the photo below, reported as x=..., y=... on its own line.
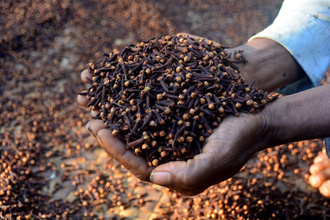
x=81, y=99
x=94, y=113
x=94, y=126
x=317, y=179
x=83, y=102
x=319, y=166
x=325, y=189
x=188, y=177
x=117, y=149
x=85, y=74
x=320, y=158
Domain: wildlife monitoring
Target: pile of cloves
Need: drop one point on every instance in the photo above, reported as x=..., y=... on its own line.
x=164, y=97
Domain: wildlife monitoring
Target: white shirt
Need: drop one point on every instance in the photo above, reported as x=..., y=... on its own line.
x=303, y=28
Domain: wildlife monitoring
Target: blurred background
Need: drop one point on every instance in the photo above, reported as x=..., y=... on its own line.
x=52, y=169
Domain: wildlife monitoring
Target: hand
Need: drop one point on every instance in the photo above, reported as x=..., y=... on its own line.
x=320, y=171
x=224, y=154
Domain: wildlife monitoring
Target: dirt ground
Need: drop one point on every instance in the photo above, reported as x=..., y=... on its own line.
x=52, y=169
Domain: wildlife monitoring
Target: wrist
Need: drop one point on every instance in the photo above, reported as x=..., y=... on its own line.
x=296, y=117
x=266, y=130
x=270, y=129
x=269, y=64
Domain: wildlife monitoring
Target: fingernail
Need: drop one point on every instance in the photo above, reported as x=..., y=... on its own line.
x=99, y=140
x=91, y=131
x=160, y=178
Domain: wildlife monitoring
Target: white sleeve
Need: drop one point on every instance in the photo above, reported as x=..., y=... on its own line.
x=303, y=28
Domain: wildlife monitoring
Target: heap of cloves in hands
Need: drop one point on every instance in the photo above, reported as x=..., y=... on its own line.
x=164, y=97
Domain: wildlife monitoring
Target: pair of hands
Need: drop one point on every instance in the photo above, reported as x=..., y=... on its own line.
x=224, y=154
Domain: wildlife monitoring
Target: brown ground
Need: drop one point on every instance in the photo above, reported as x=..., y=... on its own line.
x=52, y=169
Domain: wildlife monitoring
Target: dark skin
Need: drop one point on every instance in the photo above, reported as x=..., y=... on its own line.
x=222, y=155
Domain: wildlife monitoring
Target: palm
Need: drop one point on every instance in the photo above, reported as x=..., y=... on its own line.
x=226, y=151
x=234, y=141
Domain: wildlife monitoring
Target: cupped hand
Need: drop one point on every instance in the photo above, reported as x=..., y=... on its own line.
x=224, y=154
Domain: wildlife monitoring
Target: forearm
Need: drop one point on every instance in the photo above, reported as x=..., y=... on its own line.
x=269, y=64
x=301, y=116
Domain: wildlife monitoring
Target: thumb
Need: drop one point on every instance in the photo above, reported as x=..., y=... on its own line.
x=188, y=177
